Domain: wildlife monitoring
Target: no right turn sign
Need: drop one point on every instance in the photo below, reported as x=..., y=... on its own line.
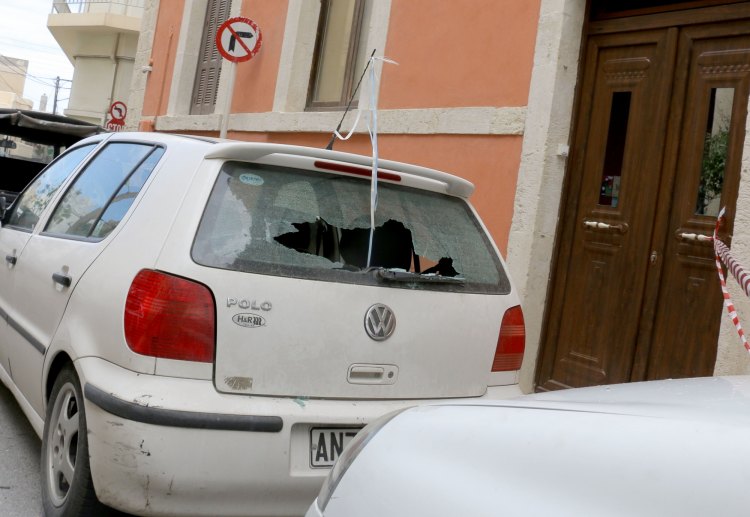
x=238, y=39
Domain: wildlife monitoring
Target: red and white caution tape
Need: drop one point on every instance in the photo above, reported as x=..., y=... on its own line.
x=722, y=253
x=739, y=274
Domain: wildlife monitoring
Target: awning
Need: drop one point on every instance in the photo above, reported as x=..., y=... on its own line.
x=45, y=128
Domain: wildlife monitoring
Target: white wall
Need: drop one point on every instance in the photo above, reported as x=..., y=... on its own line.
x=543, y=159
x=141, y=65
x=91, y=88
x=11, y=100
x=102, y=74
x=10, y=78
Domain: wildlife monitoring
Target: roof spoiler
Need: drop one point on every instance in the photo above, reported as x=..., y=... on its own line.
x=249, y=151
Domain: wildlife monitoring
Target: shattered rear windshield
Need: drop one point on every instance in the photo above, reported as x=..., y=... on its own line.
x=304, y=224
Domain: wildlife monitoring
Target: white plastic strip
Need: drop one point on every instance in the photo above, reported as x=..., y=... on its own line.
x=354, y=126
x=373, y=130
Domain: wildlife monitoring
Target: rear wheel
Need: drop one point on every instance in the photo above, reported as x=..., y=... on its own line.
x=67, y=488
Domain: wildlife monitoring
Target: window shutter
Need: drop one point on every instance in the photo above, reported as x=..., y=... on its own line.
x=209, y=60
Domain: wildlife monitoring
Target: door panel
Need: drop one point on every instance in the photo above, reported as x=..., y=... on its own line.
x=51, y=263
x=656, y=152
x=39, y=303
x=618, y=159
x=21, y=350
x=12, y=242
x=688, y=313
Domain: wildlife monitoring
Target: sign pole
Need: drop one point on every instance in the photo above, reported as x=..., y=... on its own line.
x=237, y=40
x=228, y=100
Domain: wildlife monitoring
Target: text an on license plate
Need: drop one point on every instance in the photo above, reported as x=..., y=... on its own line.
x=327, y=444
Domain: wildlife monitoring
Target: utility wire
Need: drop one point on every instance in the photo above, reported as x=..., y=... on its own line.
x=20, y=71
x=8, y=61
x=29, y=76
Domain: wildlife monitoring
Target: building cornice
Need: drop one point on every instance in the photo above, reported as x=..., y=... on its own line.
x=458, y=121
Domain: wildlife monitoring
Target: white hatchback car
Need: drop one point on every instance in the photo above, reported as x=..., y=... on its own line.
x=198, y=327
x=650, y=449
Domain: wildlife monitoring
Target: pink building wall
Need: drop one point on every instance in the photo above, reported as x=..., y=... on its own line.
x=451, y=54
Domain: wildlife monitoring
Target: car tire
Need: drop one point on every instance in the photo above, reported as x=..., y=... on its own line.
x=67, y=487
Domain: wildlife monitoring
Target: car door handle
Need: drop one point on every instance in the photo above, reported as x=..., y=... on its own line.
x=63, y=280
x=11, y=259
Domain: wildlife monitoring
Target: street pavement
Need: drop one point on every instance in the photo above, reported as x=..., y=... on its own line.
x=20, y=449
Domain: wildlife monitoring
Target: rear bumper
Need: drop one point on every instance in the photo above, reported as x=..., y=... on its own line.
x=170, y=446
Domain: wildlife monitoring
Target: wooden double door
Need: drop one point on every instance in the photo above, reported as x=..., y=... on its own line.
x=656, y=151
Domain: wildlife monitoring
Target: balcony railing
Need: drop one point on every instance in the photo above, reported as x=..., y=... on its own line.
x=124, y=7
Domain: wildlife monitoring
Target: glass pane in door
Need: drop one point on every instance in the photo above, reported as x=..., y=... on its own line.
x=714, y=159
x=619, y=114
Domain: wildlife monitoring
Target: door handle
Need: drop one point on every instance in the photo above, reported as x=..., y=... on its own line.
x=11, y=259
x=599, y=225
x=699, y=237
x=63, y=280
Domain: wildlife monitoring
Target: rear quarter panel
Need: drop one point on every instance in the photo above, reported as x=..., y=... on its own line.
x=93, y=321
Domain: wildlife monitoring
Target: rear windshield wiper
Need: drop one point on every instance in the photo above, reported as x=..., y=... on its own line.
x=400, y=275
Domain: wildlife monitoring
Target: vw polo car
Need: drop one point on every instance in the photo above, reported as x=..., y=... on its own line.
x=199, y=327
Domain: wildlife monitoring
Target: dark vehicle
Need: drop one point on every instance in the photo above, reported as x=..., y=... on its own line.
x=29, y=140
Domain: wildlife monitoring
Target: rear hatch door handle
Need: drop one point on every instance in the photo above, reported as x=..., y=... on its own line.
x=373, y=374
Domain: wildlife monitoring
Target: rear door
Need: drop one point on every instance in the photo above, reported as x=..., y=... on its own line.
x=18, y=227
x=76, y=232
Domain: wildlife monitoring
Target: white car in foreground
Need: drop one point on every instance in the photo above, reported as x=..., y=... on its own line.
x=194, y=326
x=661, y=448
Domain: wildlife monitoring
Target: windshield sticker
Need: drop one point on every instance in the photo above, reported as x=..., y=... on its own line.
x=251, y=179
x=249, y=320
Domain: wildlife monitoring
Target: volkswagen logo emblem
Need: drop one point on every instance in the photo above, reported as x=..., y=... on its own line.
x=380, y=322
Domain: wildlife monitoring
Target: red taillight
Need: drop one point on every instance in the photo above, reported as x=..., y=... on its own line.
x=511, y=342
x=170, y=317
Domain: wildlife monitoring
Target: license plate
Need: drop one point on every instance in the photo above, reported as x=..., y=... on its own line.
x=327, y=444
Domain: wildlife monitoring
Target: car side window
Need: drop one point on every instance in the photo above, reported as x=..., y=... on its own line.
x=101, y=195
x=38, y=194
